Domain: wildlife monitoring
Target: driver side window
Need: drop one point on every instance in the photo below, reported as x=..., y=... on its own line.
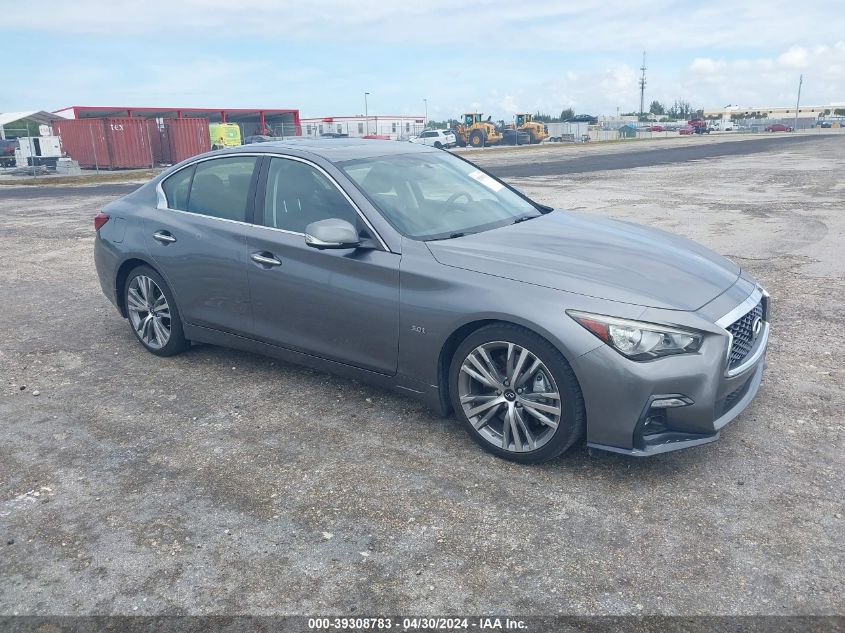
x=297, y=194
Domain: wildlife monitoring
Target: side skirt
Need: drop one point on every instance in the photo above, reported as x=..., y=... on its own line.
x=427, y=394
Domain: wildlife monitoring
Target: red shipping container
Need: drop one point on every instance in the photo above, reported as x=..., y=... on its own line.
x=158, y=140
x=186, y=137
x=129, y=142
x=126, y=143
x=84, y=140
x=110, y=143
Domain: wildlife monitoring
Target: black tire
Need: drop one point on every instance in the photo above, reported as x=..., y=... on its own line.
x=438, y=144
x=177, y=342
x=572, y=423
x=477, y=138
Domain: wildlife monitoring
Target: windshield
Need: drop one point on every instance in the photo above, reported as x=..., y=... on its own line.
x=434, y=196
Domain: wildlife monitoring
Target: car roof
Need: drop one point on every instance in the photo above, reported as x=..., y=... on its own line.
x=337, y=150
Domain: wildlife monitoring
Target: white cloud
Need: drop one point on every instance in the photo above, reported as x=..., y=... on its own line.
x=588, y=25
x=707, y=66
x=768, y=80
x=495, y=56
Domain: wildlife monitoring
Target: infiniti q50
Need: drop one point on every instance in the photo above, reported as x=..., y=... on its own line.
x=411, y=268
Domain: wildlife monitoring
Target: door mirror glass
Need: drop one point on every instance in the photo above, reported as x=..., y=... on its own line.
x=331, y=233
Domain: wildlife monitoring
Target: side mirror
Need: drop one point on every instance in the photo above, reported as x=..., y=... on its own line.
x=331, y=233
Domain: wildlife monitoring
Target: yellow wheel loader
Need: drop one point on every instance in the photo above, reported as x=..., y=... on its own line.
x=536, y=131
x=475, y=132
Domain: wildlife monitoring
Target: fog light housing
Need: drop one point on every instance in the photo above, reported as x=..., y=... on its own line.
x=655, y=422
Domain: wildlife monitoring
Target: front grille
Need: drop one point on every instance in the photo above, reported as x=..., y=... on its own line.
x=743, y=336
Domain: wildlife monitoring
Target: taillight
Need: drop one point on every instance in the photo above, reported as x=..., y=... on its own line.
x=99, y=220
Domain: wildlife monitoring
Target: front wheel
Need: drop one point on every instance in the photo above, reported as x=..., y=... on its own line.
x=152, y=313
x=477, y=138
x=516, y=394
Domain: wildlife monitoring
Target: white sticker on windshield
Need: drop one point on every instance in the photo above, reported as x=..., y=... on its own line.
x=486, y=180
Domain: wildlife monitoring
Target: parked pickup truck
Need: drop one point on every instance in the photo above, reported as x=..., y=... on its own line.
x=699, y=126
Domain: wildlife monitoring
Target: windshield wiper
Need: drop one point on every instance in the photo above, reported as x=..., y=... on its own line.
x=523, y=218
x=448, y=237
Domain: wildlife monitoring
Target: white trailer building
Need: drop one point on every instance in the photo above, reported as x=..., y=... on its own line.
x=398, y=128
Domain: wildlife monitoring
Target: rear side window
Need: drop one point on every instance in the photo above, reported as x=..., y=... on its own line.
x=220, y=187
x=176, y=189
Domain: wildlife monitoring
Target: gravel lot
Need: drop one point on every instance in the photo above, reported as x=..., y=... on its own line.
x=223, y=482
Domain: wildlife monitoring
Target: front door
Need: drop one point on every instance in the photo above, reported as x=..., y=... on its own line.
x=341, y=304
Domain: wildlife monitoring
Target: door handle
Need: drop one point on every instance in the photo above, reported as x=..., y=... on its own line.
x=164, y=237
x=265, y=259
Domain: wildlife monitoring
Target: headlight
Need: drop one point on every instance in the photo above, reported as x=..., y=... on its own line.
x=638, y=340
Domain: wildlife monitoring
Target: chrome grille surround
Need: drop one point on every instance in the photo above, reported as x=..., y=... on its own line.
x=743, y=348
x=742, y=336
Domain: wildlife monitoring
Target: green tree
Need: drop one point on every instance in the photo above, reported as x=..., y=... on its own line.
x=680, y=109
x=566, y=113
x=656, y=108
x=839, y=111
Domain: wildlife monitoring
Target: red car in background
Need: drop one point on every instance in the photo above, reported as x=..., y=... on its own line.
x=778, y=127
x=655, y=128
x=687, y=129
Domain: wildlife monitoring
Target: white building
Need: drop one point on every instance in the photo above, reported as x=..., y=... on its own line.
x=396, y=127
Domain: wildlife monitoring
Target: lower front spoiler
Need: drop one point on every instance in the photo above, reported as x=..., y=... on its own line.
x=661, y=443
x=675, y=440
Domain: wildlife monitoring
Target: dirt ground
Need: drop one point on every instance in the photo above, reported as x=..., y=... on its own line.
x=224, y=482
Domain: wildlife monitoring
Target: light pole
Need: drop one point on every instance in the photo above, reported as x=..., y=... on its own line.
x=425, y=126
x=366, y=114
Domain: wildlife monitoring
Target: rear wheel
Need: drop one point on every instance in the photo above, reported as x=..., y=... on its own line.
x=438, y=144
x=516, y=394
x=152, y=313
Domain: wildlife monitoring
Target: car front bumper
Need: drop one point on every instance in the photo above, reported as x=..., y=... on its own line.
x=620, y=396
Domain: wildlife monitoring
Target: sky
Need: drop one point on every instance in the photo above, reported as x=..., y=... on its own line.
x=493, y=56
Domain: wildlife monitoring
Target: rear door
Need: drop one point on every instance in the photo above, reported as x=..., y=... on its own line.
x=338, y=304
x=198, y=241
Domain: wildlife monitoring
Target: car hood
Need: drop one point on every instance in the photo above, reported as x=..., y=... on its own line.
x=598, y=257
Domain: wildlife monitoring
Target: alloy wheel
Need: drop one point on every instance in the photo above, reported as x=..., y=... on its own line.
x=509, y=396
x=148, y=311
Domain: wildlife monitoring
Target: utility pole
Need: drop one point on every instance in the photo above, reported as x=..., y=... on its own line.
x=425, y=101
x=366, y=114
x=798, y=102
x=642, y=86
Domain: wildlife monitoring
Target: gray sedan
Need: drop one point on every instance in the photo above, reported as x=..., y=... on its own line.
x=413, y=269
